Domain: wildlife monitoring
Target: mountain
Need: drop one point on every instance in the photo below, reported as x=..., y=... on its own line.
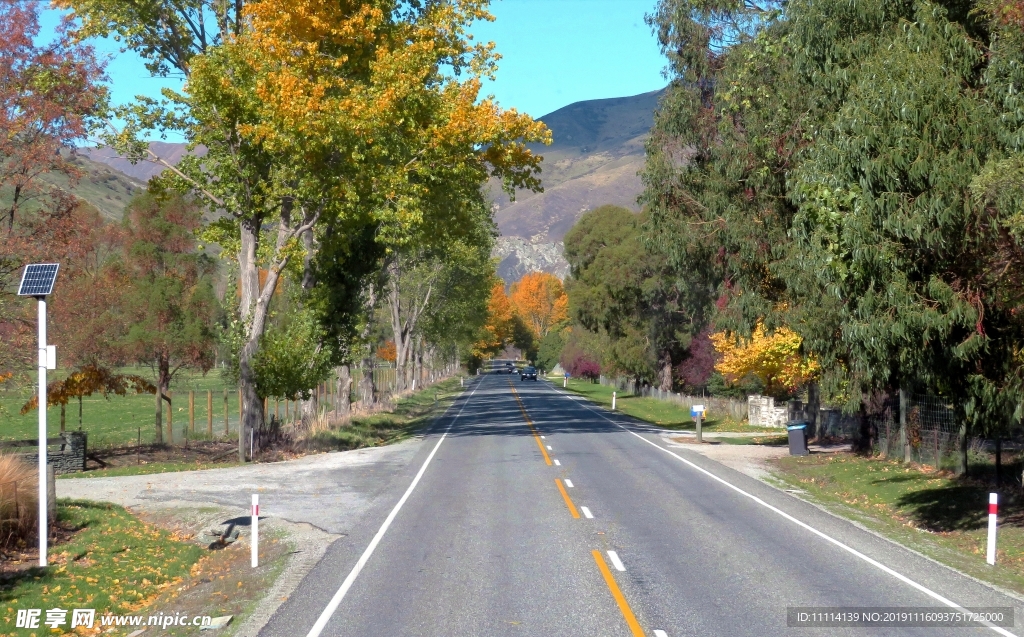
x=596, y=153
x=106, y=189
x=143, y=170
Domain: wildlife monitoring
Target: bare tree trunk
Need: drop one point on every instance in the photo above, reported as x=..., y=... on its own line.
x=344, y=401
x=666, y=373
x=366, y=394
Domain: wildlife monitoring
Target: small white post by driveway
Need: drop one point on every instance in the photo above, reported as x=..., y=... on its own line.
x=613, y=401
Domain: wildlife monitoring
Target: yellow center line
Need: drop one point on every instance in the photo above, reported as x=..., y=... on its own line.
x=620, y=599
x=529, y=423
x=568, y=500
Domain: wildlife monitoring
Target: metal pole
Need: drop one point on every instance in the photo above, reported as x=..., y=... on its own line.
x=43, y=526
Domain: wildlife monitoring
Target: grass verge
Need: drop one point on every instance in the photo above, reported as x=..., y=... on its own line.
x=658, y=412
x=109, y=561
x=934, y=513
x=384, y=428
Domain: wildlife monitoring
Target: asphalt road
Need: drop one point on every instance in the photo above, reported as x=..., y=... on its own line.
x=528, y=511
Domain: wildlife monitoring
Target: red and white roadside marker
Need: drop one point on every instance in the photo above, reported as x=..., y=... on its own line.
x=255, y=527
x=993, y=512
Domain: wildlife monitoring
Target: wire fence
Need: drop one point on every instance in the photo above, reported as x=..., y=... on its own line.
x=928, y=433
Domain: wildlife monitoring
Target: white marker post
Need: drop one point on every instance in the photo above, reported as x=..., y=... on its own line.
x=993, y=513
x=613, y=401
x=255, y=527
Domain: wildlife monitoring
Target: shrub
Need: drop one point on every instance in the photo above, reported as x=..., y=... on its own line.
x=19, y=488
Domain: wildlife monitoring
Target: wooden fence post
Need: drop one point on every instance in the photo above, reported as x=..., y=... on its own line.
x=192, y=411
x=209, y=413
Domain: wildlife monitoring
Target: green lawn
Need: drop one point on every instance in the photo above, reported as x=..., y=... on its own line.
x=114, y=563
x=935, y=513
x=659, y=412
x=121, y=420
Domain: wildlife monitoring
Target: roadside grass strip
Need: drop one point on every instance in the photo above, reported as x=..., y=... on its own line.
x=568, y=500
x=934, y=512
x=113, y=563
x=852, y=551
x=620, y=599
x=529, y=423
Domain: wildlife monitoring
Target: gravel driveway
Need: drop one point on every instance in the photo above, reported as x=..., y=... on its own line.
x=329, y=491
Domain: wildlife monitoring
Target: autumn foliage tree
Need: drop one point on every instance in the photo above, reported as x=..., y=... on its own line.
x=49, y=93
x=775, y=359
x=540, y=300
x=316, y=111
x=168, y=307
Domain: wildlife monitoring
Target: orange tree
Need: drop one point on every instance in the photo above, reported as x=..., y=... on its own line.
x=540, y=300
x=497, y=331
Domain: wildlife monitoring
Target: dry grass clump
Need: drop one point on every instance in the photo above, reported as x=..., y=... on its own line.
x=19, y=486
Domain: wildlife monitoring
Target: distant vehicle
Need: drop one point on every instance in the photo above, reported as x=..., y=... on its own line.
x=510, y=368
x=528, y=372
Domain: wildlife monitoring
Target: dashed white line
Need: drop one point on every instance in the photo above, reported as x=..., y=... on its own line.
x=586, y=513
x=616, y=562
x=568, y=483
x=542, y=437
x=549, y=447
x=660, y=633
x=557, y=462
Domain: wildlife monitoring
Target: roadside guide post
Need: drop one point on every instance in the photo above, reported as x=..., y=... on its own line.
x=993, y=512
x=697, y=413
x=565, y=380
x=613, y=401
x=255, y=526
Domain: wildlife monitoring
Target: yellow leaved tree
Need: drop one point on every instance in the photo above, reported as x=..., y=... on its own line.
x=775, y=359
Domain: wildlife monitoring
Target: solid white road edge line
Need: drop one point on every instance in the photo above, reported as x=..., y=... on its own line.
x=849, y=549
x=332, y=606
x=568, y=482
x=616, y=562
x=586, y=513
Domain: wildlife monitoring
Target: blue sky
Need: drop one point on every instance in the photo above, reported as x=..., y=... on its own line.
x=554, y=53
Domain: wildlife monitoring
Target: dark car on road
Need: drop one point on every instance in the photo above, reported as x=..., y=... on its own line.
x=528, y=372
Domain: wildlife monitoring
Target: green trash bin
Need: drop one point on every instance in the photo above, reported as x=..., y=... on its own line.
x=797, y=439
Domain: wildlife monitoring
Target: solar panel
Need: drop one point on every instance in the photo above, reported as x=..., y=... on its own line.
x=38, y=279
